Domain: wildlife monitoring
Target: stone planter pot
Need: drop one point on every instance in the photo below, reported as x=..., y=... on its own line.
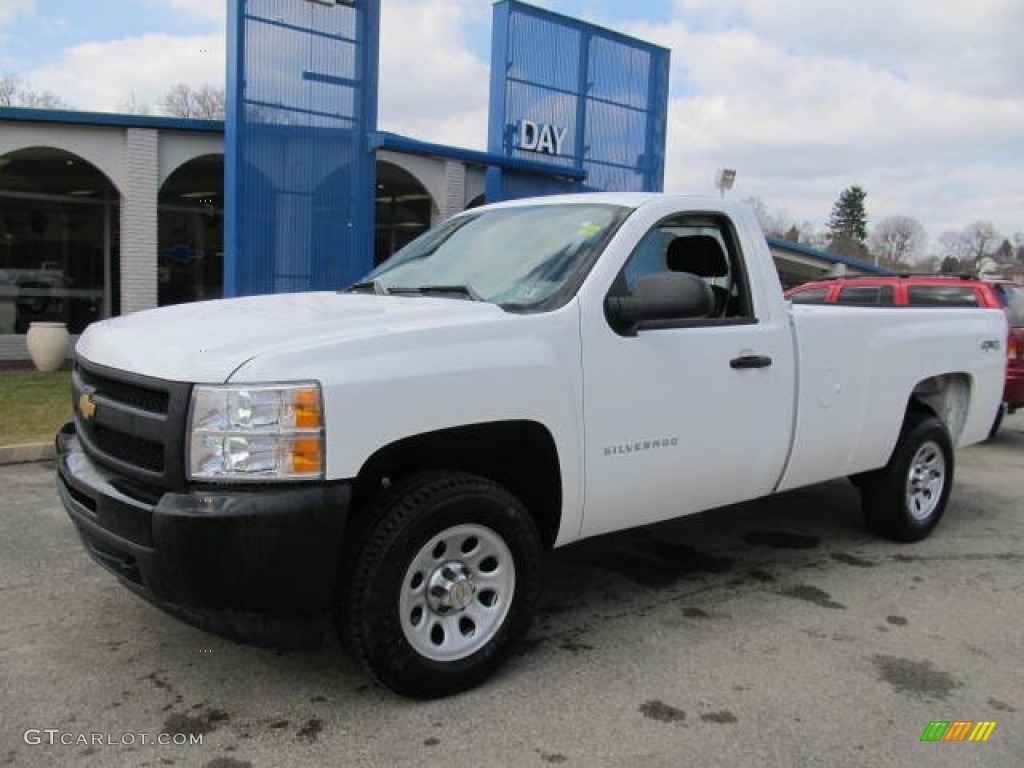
x=47, y=345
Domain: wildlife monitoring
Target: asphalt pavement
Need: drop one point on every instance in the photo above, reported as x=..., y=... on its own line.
x=775, y=633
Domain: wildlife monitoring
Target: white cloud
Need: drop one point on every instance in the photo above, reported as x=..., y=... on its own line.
x=972, y=45
x=803, y=106
x=431, y=86
x=102, y=76
x=922, y=103
x=10, y=10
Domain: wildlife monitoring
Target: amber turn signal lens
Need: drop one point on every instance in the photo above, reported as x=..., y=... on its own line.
x=307, y=457
x=307, y=409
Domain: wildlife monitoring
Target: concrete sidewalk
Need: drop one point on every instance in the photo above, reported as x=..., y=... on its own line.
x=25, y=453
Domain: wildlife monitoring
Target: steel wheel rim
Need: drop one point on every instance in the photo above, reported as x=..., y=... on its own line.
x=926, y=480
x=457, y=592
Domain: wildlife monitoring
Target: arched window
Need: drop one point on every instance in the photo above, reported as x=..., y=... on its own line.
x=403, y=210
x=59, y=240
x=190, y=239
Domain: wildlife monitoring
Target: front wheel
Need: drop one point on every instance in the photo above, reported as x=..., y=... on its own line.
x=444, y=585
x=906, y=498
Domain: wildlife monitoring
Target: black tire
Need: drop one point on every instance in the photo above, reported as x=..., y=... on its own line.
x=444, y=585
x=998, y=421
x=906, y=499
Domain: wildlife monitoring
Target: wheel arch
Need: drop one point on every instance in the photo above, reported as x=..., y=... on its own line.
x=519, y=455
x=947, y=396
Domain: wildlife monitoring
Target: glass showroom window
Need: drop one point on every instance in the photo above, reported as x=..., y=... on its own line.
x=403, y=210
x=58, y=240
x=190, y=243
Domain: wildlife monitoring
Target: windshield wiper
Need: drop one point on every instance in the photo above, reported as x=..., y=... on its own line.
x=462, y=291
x=368, y=286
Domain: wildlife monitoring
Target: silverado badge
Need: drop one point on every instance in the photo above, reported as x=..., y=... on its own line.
x=86, y=406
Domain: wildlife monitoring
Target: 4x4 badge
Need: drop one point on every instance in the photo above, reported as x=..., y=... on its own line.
x=86, y=406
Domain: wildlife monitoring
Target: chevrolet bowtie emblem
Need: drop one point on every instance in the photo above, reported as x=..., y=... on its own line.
x=86, y=406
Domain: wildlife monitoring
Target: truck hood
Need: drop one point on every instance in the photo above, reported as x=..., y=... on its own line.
x=204, y=342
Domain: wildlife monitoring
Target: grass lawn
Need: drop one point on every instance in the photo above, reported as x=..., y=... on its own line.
x=33, y=405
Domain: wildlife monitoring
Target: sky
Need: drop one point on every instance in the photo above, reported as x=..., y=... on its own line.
x=920, y=102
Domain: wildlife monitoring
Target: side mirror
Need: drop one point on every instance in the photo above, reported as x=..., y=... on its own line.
x=660, y=297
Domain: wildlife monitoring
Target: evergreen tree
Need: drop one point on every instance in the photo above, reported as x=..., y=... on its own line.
x=848, y=224
x=950, y=265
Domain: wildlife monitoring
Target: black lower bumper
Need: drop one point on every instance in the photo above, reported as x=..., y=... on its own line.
x=258, y=565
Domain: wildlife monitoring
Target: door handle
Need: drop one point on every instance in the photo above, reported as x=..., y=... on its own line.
x=750, y=361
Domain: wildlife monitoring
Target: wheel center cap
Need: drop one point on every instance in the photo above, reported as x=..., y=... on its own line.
x=462, y=591
x=450, y=588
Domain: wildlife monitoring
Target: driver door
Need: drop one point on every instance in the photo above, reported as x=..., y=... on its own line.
x=690, y=415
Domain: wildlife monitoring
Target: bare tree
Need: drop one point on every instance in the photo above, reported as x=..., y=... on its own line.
x=9, y=87
x=206, y=103
x=772, y=223
x=980, y=239
x=896, y=241
x=955, y=253
x=210, y=103
x=14, y=93
x=133, y=105
x=177, y=102
x=42, y=100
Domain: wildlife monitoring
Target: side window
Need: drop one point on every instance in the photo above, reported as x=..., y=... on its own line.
x=810, y=296
x=866, y=295
x=701, y=245
x=941, y=296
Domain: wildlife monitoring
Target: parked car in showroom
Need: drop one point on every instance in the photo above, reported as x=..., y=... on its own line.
x=935, y=291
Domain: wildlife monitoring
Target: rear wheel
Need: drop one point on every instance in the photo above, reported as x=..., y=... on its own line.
x=906, y=498
x=998, y=421
x=444, y=585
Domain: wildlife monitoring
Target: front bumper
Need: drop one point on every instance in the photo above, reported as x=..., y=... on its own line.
x=257, y=565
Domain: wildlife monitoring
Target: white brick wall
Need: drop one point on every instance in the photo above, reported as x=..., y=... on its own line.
x=138, y=221
x=454, y=189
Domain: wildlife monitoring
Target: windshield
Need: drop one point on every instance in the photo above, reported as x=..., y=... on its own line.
x=517, y=257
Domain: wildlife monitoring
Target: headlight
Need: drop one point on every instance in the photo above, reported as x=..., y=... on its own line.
x=264, y=432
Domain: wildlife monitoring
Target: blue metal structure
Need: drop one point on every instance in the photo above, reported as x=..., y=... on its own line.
x=578, y=96
x=386, y=140
x=299, y=174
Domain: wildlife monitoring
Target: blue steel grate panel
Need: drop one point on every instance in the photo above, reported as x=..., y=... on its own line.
x=615, y=134
x=543, y=53
x=300, y=176
x=619, y=73
x=608, y=91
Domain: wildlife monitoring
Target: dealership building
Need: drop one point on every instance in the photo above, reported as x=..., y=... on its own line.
x=106, y=214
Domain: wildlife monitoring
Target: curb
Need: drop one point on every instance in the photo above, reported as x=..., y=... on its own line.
x=29, y=452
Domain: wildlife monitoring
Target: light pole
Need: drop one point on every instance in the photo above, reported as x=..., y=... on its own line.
x=724, y=179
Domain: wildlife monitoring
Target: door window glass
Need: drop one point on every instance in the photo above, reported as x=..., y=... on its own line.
x=700, y=245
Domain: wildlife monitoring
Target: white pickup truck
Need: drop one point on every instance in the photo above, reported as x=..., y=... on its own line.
x=399, y=454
